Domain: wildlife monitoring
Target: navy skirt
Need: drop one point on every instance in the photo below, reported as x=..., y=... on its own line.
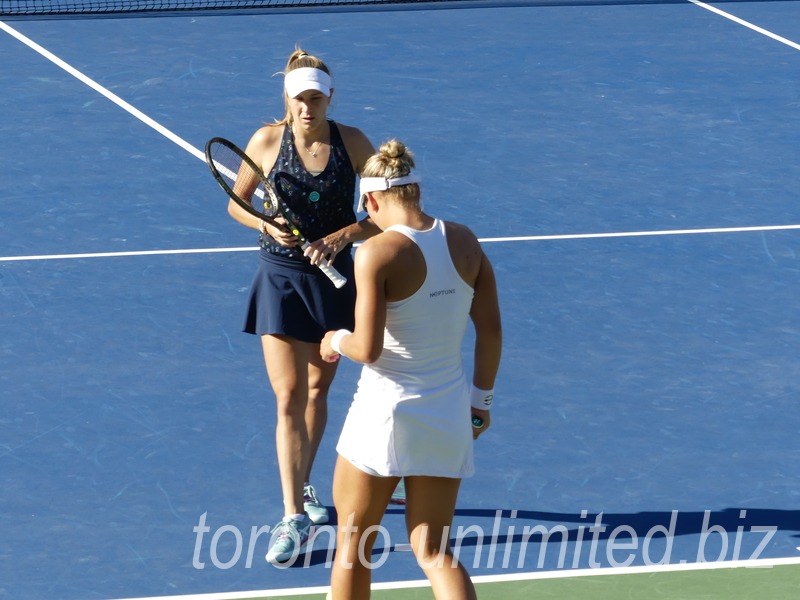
x=294, y=298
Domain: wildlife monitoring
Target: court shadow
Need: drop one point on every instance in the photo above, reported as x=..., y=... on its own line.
x=677, y=523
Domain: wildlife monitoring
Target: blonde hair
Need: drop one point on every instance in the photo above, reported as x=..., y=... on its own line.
x=297, y=60
x=394, y=160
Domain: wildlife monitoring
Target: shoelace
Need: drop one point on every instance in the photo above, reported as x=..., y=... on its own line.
x=285, y=531
x=282, y=528
x=310, y=495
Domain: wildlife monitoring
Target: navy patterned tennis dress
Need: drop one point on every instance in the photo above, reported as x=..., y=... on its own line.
x=290, y=296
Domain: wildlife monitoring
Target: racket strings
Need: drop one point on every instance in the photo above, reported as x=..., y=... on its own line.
x=242, y=179
x=290, y=194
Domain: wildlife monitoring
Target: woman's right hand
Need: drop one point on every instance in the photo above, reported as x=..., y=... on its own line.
x=283, y=237
x=483, y=418
x=326, y=351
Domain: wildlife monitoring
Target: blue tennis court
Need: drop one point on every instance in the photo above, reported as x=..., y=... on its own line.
x=632, y=171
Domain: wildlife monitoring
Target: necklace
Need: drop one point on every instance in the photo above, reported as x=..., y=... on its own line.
x=318, y=143
x=311, y=152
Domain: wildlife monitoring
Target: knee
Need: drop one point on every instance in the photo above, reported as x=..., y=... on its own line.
x=429, y=544
x=429, y=557
x=318, y=399
x=318, y=391
x=290, y=404
x=427, y=552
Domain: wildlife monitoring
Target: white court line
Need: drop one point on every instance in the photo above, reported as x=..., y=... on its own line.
x=531, y=238
x=769, y=34
x=561, y=574
x=99, y=88
x=585, y=236
x=121, y=254
x=197, y=153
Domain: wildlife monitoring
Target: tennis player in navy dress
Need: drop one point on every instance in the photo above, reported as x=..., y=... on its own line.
x=291, y=302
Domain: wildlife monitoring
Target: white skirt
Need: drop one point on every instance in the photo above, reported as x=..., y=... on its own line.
x=396, y=434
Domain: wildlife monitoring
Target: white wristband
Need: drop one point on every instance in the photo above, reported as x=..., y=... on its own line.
x=337, y=337
x=481, y=399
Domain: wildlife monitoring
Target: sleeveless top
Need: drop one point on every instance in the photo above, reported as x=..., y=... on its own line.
x=331, y=208
x=411, y=413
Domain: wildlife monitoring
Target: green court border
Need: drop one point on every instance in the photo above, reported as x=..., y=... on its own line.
x=768, y=579
x=743, y=583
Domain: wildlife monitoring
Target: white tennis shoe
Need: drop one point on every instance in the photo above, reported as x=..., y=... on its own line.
x=313, y=507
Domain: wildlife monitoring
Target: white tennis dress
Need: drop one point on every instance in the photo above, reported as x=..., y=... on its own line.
x=411, y=413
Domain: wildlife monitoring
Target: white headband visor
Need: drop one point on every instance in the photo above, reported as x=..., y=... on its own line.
x=307, y=78
x=381, y=184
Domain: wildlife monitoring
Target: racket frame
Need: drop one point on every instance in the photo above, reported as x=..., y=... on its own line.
x=290, y=226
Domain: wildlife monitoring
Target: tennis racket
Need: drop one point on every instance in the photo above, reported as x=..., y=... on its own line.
x=246, y=185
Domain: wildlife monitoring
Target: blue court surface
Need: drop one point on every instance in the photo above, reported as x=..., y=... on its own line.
x=652, y=377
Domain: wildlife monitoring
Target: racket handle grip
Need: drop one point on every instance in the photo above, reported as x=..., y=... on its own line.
x=333, y=275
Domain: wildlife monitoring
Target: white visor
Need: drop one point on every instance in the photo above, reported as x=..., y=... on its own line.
x=381, y=184
x=307, y=78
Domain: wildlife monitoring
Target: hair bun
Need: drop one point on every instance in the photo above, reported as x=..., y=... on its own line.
x=393, y=149
x=392, y=160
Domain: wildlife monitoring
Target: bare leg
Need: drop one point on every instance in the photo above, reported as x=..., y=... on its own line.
x=430, y=505
x=320, y=377
x=360, y=500
x=287, y=366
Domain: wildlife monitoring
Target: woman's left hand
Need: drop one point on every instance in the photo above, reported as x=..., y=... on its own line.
x=325, y=249
x=327, y=353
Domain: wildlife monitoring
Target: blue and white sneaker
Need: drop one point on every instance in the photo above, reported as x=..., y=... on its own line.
x=399, y=494
x=313, y=507
x=292, y=536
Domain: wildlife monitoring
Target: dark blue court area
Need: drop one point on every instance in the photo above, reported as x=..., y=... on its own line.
x=652, y=378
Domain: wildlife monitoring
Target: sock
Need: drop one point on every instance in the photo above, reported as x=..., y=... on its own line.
x=288, y=518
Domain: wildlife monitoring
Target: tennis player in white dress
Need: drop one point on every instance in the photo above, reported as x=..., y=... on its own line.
x=415, y=414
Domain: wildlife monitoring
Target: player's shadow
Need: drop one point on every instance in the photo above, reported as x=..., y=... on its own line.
x=680, y=524
x=685, y=522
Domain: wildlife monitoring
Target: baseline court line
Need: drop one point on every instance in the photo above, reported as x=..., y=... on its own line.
x=561, y=574
x=760, y=30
